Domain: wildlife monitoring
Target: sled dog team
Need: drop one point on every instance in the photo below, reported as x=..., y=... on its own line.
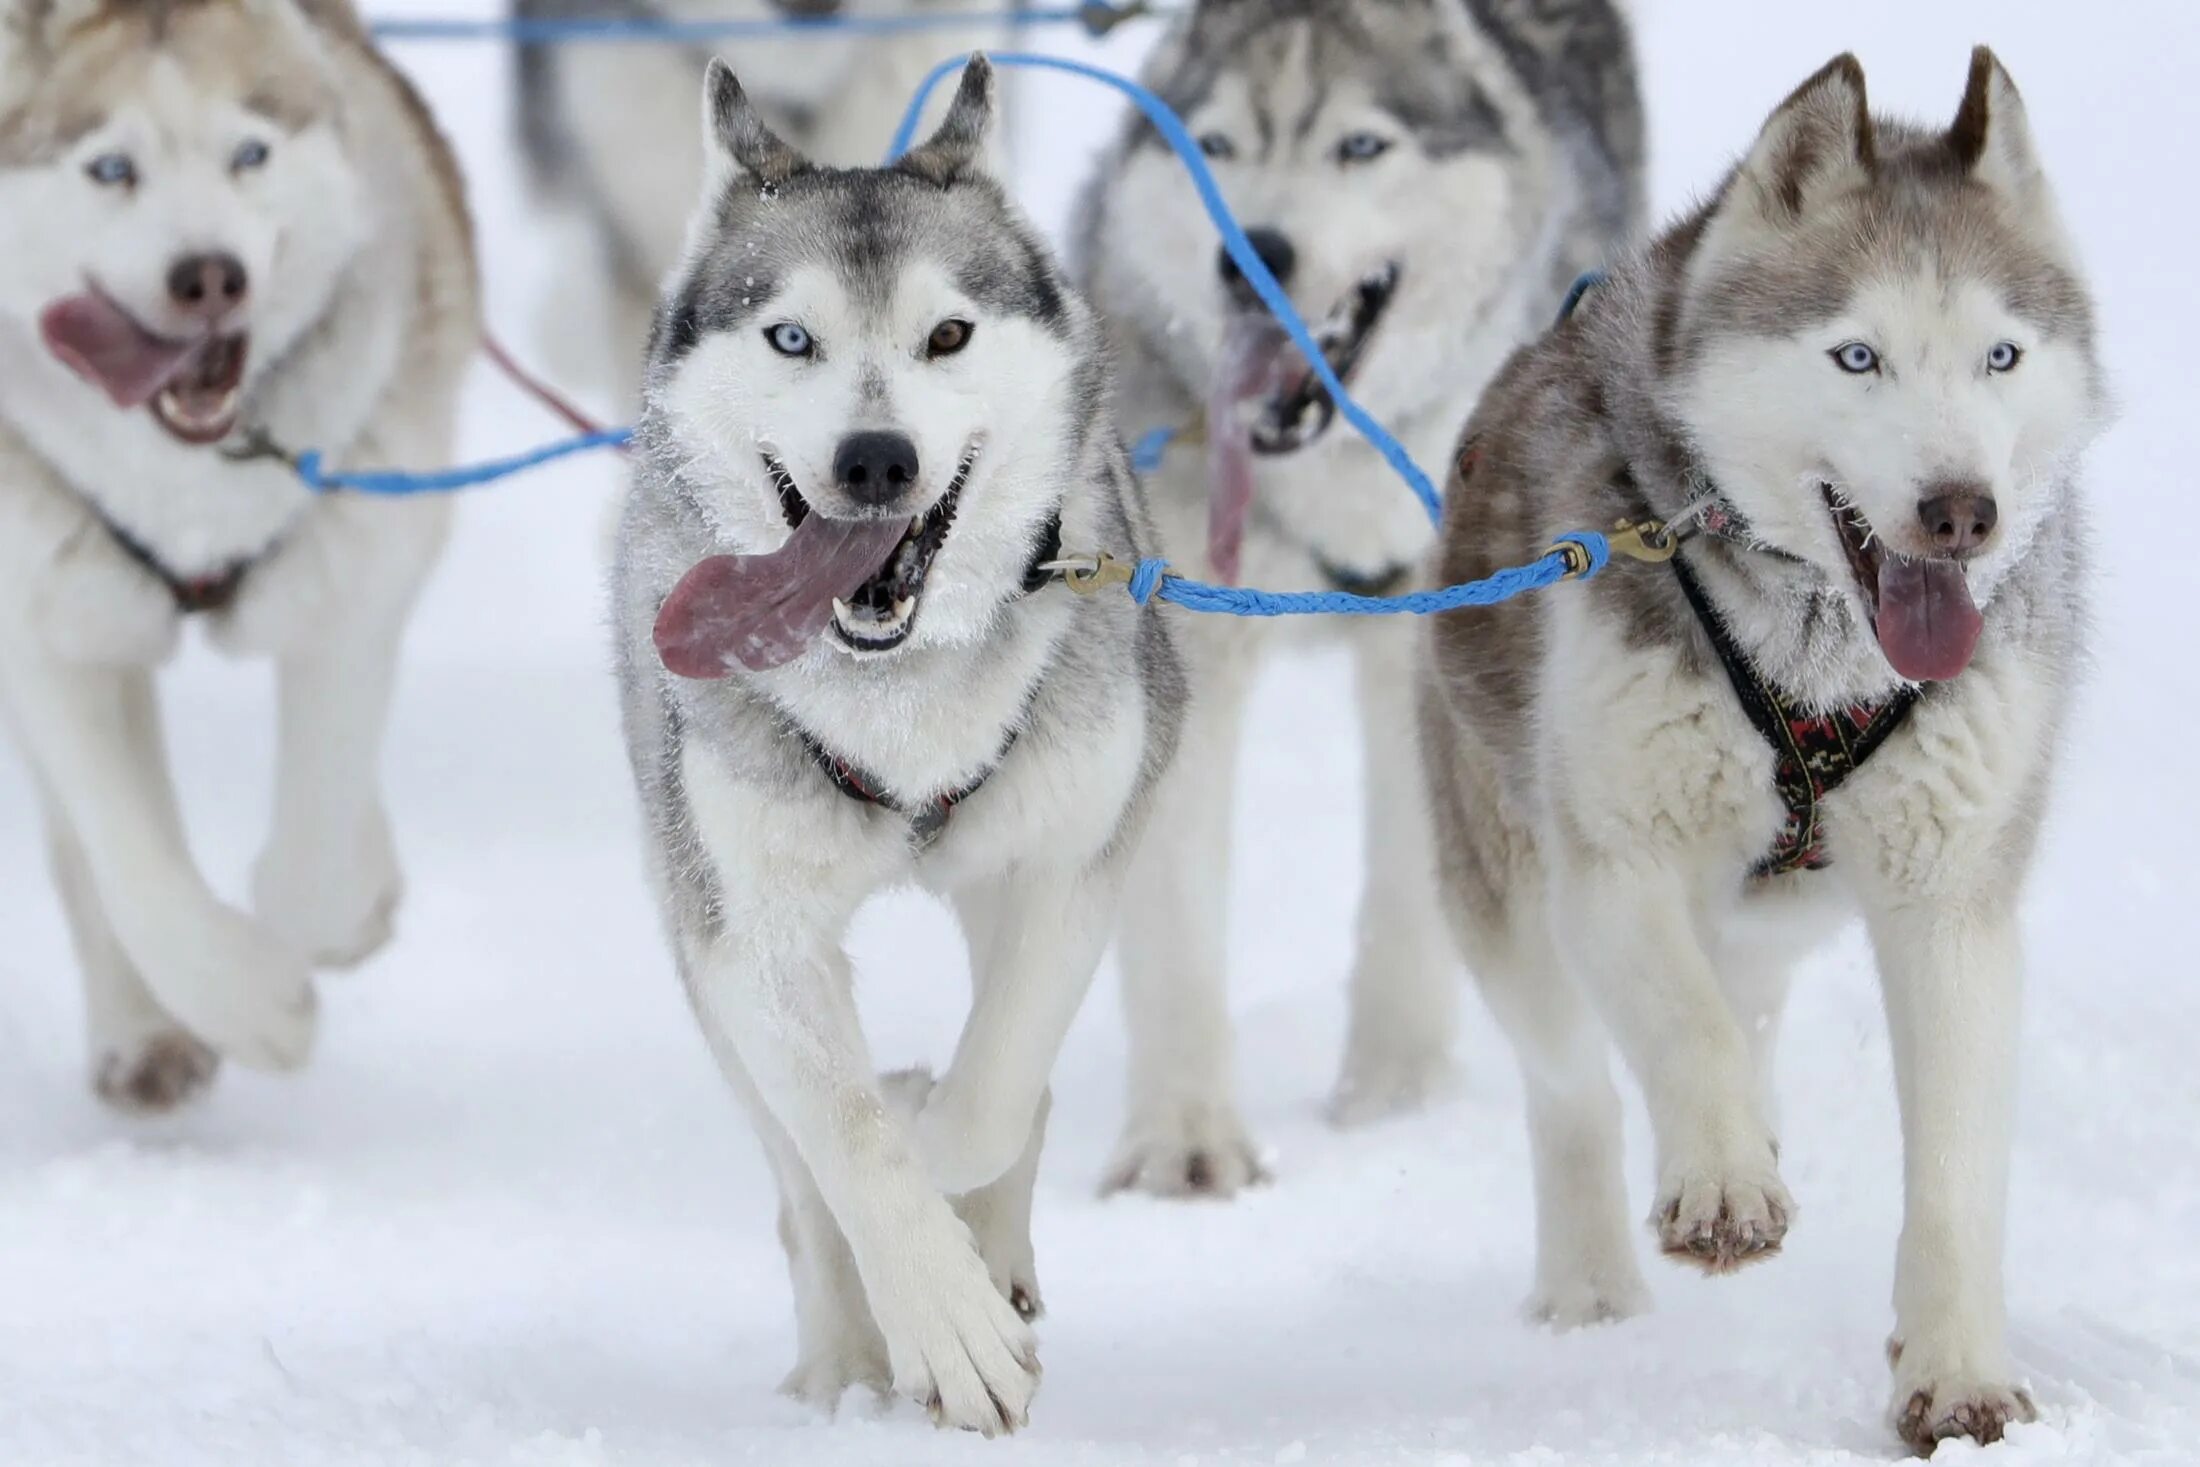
x=876, y=413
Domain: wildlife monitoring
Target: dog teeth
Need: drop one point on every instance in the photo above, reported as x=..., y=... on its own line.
x=842, y=612
x=903, y=606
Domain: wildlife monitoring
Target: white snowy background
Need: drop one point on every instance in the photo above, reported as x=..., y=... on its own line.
x=512, y=1215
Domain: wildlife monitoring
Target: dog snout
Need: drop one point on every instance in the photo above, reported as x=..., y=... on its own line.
x=1275, y=250
x=876, y=468
x=208, y=285
x=1957, y=518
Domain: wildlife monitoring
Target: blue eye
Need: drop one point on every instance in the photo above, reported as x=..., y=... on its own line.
x=112, y=170
x=1361, y=147
x=789, y=340
x=250, y=154
x=1856, y=358
x=2004, y=357
x=1217, y=145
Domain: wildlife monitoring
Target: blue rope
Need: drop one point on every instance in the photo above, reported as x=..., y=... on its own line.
x=1153, y=578
x=1151, y=448
x=1097, y=17
x=393, y=483
x=1249, y=262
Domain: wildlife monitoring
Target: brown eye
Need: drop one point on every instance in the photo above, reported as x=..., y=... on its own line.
x=948, y=337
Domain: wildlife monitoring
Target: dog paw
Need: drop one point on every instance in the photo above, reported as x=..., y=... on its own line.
x=1722, y=1220
x=959, y=1348
x=821, y=1380
x=1193, y=1150
x=155, y=1074
x=1001, y=1227
x=233, y=984
x=1932, y=1406
x=1607, y=1297
x=338, y=912
x=1395, y=1077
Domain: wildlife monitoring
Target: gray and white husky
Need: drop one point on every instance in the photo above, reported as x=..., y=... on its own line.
x=608, y=129
x=221, y=219
x=1426, y=177
x=876, y=410
x=1861, y=376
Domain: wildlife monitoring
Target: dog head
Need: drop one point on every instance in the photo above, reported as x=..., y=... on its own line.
x=884, y=347
x=176, y=200
x=1389, y=170
x=1886, y=357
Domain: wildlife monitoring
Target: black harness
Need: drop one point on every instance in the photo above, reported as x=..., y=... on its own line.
x=192, y=594
x=1813, y=753
x=928, y=820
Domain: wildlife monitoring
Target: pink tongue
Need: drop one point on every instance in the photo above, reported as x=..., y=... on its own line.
x=1251, y=367
x=101, y=344
x=1928, y=624
x=763, y=611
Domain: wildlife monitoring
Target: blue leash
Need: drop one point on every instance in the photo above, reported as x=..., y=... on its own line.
x=1576, y=556
x=1097, y=17
x=1172, y=129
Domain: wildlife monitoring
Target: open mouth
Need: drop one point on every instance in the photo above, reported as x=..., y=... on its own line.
x=193, y=385
x=1920, y=607
x=201, y=403
x=879, y=615
x=1301, y=410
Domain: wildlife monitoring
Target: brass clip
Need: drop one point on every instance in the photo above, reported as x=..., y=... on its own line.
x=1086, y=574
x=1652, y=541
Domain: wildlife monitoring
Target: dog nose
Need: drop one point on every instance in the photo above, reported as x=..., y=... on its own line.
x=1957, y=517
x=1275, y=251
x=207, y=285
x=875, y=468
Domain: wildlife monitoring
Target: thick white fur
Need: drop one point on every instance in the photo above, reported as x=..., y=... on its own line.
x=83, y=627
x=1471, y=235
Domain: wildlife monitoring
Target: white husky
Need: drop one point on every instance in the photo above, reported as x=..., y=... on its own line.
x=1862, y=374
x=221, y=219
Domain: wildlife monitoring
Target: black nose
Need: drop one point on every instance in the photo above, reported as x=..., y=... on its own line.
x=1275, y=251
x=875, y=468
x=1957, y=517
x=207, y=285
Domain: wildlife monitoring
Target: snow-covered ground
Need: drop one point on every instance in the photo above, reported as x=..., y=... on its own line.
x=511, y=1215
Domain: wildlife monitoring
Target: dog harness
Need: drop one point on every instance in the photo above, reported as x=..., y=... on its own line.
x=926, y=821
x=1813, y=753
x=192, y=594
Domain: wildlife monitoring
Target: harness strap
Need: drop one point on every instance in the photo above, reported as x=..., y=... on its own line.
x=927, y=820
x=1813, y=754
x=192, y=594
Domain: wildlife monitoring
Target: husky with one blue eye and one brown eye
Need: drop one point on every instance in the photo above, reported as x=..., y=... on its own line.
x=876, y=413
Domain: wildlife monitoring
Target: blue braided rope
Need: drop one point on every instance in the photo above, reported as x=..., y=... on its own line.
x=1172, y=129
x=1152, y=579
x=390, y=482
x=1151, y=448
x=1096, y=17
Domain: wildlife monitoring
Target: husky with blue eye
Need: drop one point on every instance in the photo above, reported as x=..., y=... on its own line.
x=1860, y=379
x=1425, y=178
x=226, y=222
x=876, y=415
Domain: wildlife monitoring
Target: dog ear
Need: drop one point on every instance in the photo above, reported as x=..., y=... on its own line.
x=958, y=148
x=1991, y=136
x=1819, y=142
x=735, y=138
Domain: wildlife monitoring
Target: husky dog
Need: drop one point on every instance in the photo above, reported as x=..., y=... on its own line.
x=875, y=389
x=227, y=222
x=1425, y=177
x=608, y=129
x=1862, y=374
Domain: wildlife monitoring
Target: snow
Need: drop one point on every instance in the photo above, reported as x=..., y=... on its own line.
x=512, y=1215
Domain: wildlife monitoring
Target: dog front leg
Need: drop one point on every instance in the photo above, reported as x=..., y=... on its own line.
x=1951, y=976
x=331, y=607
x=1405, y=978
x=1626, y=930
x=1183, y=1135
x=773, y=990
x=92, y=735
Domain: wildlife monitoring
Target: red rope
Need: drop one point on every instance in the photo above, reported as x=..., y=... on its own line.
x=541, y=391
